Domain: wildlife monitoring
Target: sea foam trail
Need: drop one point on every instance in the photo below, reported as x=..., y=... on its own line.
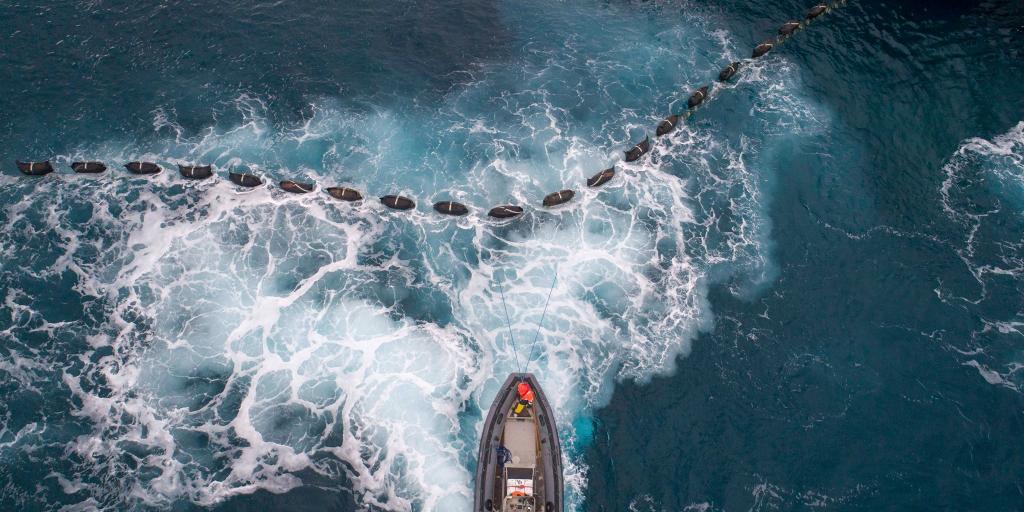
x=230, y=342
x=983, y=191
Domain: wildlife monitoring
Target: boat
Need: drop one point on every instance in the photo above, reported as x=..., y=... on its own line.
x=519, y=467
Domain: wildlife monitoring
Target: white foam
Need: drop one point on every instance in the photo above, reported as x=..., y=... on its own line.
x=305, y=309
x=983, y=194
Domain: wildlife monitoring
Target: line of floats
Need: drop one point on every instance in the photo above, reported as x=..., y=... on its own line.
x=397, y=202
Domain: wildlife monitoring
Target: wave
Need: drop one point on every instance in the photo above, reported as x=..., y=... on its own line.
x=205, y=343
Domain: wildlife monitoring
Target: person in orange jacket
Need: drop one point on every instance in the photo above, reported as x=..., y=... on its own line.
x=525, y=397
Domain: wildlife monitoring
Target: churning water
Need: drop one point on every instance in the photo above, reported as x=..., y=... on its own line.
x=173, y=345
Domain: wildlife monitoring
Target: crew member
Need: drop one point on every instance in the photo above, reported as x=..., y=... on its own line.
x=525, y=397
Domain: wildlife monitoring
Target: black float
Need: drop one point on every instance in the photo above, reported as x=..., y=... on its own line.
x=667, y=125
x=697, y=97
x=505, y=211
x=601, y=178
x=88, y=167
x=639, y=150
x=451, y=208
x=143, y=168
x=34, y=168
x=245, y=180
x=296, y=187
x=728, y=72
x=816, y=11
x=763, y=48
x=195, y=172
x=788, y=28
x=398, y=202
x=344, y=194
x=557, y=198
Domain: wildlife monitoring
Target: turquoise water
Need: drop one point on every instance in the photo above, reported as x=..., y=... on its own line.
x=809, y=296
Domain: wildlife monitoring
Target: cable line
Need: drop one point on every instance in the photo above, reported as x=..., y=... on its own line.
x=515, y=351
x=541, y=324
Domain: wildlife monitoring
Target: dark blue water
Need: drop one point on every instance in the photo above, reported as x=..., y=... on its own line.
x=811, y=296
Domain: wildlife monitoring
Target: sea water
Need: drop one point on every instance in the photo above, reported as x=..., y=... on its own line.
x=835, y=236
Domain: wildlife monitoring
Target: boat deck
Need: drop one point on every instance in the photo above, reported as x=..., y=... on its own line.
x=521, y=440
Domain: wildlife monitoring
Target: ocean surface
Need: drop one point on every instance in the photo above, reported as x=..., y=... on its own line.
x=808, y=297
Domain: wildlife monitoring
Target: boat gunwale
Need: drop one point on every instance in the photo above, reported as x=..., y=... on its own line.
x=551, y=451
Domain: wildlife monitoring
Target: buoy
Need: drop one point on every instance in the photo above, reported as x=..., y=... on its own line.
x=195, y=172
x=245, y=180
x=505, y=211
x=143, y=168
x=816, y=11
x=667, y=125
x=728, y=72
x=697, y=97
x=88, y=167
x=557, y=198
x=34, y=168
x=601, y=178
x=451, y=208
x=344, y=193
x=763, y=48
x=297, y=188
x=397, y=202
x=788, y=28
x=639, y=150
